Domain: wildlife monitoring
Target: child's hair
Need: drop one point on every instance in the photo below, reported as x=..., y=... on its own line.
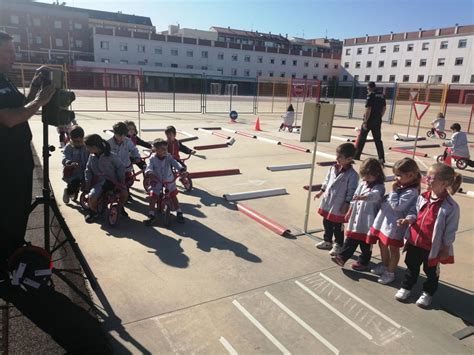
x=290, y=108
x=157, y=143
x=440, y=115
x=447, y=173
x=131, y=123
x=372, y=167
x=408, y=165
x=120, y=128
x=77, y=132
x=94, y=140
x=347, y=150
x=170, y=129
x=456, y=127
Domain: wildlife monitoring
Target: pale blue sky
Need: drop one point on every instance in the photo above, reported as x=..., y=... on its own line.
x=341, y=18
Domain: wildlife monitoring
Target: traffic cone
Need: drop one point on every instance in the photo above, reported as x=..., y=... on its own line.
x=257, y=124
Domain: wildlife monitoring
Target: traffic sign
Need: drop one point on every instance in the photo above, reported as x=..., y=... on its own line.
x=298, y=90
x=413, y=95
x=420, y=109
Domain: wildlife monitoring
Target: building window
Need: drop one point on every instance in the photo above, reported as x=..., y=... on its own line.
x=123, y=61
x=293, y=76
x=260, y=60
x=247, y=58
x=220, y=56
x=143, y=62
x=425, y=46
x=326, y=65
x=357, y=64
x=316, y=65
x=221, y=70
x=158, y=50
x=36, y=22
x=295, y=63
x=348, y=51
x=346, y=64
x=455, y=78
x=157, y=64
x=174, y=65
x=371, y=50
x=246, y=72
x=325, y=77
x=420, y=78
x=189, y=54
x=174, y=52
x=383, y=49
x=367, y=78
x=359, y=50
x=394, y=63
x=282, y=75
x=270, y=74
x=141, y=48
x=443, y=45
x=78, y=43
x=422, y=62
x=283, y=62
x=105, y=60
x=391, y=78
x=306, y=64
x=441, y=62
x=233, y=72
x=315, y=77
x=189, y=66
x=472, y=78
x=16, y=38
x=381, y=63
x=438, y=78
x=336, y=66
x=458, y=61
x=396, y=48
x=204, y=54
x=58, y=24
x=235, y=57
x=123, y=47
x=259, y=73
x=59, y=42
x=369, y=64
x=204, y=67
x=408, y=63
x=77, y=26
x=410, y=47
x=305, y=76
x=462, y=43
x=104, y=44
x=406, y=78
x=356, y=77
x=379, y=78
x=344, y=78
x=38, y=40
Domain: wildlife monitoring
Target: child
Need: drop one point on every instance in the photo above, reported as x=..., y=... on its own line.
x=123, y=147
x=338, y=189
x=438, y=123
x=458, y=142
x=432, y=232
x=160, y=167
x=75, y=158
x=399, y=202
x=364, y=207
x=288, y=118
x=133, y=135
x=175, y=146
x=104, y=172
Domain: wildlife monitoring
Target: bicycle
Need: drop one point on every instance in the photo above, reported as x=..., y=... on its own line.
x=184, y=177
x=445, y=158
x=164, y=203
x=131, y=176
x=435, y=132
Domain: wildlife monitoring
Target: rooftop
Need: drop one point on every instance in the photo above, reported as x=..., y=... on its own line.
x=249, y=34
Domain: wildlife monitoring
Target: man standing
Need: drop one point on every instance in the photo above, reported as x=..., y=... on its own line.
x=375, y=107
x=16, y=158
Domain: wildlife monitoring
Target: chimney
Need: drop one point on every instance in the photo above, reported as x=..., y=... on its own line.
x=456, y=29
x=420, y=32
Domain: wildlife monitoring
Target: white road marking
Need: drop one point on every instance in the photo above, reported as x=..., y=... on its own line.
x=376, y=311
x=227, y=346
x=302, y=323
x=339, y=314
x=261, y=328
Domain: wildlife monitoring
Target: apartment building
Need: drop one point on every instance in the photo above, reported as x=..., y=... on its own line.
x=444, y=55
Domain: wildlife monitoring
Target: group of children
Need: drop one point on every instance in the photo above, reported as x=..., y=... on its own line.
x=99, y=166
x=423, y=224
x=458, y=143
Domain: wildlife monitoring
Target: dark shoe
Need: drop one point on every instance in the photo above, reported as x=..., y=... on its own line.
x=150, y=220
x=358, y=266
x=91, y=217
x=338, y=260
x=180, y=217
x=123, y=212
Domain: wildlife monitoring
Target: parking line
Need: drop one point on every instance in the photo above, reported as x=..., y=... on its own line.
x=339, y=314
x=302, y=323
x=227, y=346
x=261, y=328
x=376, y=311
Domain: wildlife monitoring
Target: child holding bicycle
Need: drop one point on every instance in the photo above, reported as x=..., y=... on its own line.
x=133, y=135
x=123, y=147
x=159, y=171
x=438, y=123
x=175, y=146
x=104, y=172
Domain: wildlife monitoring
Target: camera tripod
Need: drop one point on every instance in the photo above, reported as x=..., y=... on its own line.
x=48, y=201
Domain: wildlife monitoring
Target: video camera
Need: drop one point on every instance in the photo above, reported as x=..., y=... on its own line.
x=55, y=112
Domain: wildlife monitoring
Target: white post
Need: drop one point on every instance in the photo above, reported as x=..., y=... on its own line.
x=416, y=138
x=409, y=120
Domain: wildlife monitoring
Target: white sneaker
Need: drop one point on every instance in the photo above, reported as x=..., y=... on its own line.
x=336, y=249
x=402, y=295
x=324, y=245
x=424, y=301
x=65, y=196
x=386, y=278
x=378, y=270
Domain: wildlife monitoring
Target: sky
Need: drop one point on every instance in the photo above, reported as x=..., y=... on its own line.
x=299, y=18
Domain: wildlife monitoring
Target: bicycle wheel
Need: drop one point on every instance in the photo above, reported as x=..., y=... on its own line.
x=112, y=214
x=429, y=134
x=84, y=200
x=440, y=158
x=461, y=163
x=187, y=183
x=146, y=183
x=442, y=135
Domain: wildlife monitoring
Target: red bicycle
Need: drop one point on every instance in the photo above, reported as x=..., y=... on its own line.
x=164, y=204
x=183, y=178
x=131, y=176
x=436, y=132
x=445, y=158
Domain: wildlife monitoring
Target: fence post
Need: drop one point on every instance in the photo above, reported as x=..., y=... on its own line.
x=392, y=109
x=470, y=120
x=273, y=94
x=230, y=95
x=174, y=92
x=255, y=98
x=105, y=87
x=203, y=93
x=351, y=103
x=336, y=86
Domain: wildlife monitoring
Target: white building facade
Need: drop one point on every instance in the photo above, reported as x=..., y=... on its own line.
x=193, y=55
x=444, y=55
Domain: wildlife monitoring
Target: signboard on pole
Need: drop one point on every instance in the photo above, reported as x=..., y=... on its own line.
x=298, y=90
x=420, y=109
x=413, y=95
x=317, y=118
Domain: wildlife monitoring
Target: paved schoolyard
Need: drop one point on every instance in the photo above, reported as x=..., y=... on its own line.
x=221, y=282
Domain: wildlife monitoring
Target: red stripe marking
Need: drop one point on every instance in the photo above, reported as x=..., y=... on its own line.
x=245, y=134
x=295, y=147
x=406, y=151
x=211, y=146
x=204, y=174
x=270, y=224
x=220, y=135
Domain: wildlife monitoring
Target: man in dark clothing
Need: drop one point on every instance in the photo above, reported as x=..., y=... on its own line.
x=375, y=107
x=16, y=158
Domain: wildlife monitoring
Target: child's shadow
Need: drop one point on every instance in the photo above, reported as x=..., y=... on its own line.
x=211, y=200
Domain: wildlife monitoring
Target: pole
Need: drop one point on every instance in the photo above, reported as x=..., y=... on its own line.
x=46, y=189
x=308, y=200
x=416, y=138
x=138, y=96
x=296, y=113
x=409, y=119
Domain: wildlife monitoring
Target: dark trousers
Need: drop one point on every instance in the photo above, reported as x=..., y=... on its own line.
x=350, y=246
x=73, y=186
x=332, y=228
x=413, y=259
x=16, y=185
x=375, y=127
